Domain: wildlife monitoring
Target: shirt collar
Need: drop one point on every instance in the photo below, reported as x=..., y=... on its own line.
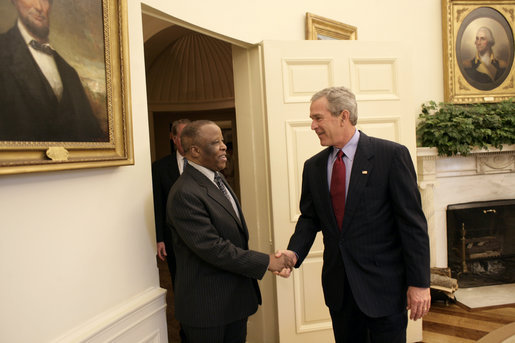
x=180, y=160
x=24, y=33
x=349, y=149
x=206, y=171
x=27, y=37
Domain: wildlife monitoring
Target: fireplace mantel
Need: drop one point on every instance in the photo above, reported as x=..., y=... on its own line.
x=480, y=176
x=476, y=163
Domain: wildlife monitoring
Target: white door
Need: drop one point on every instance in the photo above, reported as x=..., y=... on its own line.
x=293, y=71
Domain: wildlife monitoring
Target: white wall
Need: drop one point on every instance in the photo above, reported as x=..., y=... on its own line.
x=418, y=23
x=75, y=244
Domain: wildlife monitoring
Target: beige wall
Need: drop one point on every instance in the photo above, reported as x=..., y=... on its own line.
x=76, y=244
x=416, y=22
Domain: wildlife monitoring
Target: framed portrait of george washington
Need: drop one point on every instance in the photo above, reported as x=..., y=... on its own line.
x=64, y=85
x=478, y=50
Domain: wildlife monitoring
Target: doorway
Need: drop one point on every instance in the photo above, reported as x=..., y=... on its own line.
x=189, y=75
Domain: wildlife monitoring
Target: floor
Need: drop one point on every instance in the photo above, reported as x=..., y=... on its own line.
x=445, y=323
x=486, y=296
x=453, y=324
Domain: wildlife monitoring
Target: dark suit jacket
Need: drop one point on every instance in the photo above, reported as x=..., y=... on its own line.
x=216, y=281
x=30, y=110
x=383, y=246
x=164, y=174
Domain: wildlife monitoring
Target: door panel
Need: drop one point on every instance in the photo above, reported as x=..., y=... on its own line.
x=293, y=72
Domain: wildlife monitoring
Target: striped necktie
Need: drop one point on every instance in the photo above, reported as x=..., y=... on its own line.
x=221, y=185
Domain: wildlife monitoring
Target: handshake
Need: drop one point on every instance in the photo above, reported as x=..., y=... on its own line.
x=282, y=262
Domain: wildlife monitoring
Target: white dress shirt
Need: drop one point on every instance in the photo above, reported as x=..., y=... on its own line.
x=211, y=176
x=349, y=151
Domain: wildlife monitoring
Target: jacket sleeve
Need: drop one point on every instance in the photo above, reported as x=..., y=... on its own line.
x=307, y=225
x=410, y=219
x=195, y=225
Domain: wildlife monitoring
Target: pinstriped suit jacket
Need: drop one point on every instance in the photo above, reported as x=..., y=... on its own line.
x=216, y=281
x=383, y=247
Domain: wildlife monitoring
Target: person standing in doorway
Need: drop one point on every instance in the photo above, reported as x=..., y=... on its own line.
x=165, y=172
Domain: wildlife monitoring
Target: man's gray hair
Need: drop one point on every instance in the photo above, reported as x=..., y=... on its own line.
x=339, y=99
x=175, y=125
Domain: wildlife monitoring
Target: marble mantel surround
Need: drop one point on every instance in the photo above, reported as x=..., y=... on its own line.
x=482, y=175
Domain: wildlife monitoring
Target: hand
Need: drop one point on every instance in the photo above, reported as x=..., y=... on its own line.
x=161, y=250
x=280, y=262
x=419, y=302
x=286, y=272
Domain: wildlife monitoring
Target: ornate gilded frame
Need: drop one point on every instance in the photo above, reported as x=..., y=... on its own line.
x=320, y=28
x=466, y=79
x=117, y=148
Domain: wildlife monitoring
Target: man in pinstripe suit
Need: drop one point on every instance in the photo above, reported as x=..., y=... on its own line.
x=216, y=287
x=376, y=246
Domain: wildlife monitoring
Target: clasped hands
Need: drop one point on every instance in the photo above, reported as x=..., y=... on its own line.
x=282, y=262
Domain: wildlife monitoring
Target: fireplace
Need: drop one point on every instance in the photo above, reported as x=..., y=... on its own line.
x=443, y=181
x=481, y=242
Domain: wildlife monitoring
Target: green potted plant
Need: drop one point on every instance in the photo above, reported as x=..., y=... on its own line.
x=459, y=128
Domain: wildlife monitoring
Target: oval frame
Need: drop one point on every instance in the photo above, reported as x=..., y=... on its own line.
x=503, y=48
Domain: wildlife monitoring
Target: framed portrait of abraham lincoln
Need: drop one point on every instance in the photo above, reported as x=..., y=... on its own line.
x=478, y=50
x=64, y=85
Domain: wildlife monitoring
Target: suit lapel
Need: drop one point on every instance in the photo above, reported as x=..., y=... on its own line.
x=361, y=171
x=27, y=73
x=323, y=185
x=214, y=193
x=173, y=168
x=240, y=220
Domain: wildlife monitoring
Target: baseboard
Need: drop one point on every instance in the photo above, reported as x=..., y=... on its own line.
x=142, y=319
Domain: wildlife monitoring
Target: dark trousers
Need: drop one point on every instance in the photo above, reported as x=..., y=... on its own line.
x=172, y=268
x=235, y=332
x=350, y=325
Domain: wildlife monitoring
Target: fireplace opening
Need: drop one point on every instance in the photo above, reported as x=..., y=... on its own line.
x=481, y=242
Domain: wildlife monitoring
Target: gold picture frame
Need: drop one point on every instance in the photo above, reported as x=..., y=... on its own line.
x=29, y=147
x=475, y=70
x=320, y=28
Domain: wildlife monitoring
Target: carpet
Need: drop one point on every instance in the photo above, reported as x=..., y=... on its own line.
x=487, y=296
